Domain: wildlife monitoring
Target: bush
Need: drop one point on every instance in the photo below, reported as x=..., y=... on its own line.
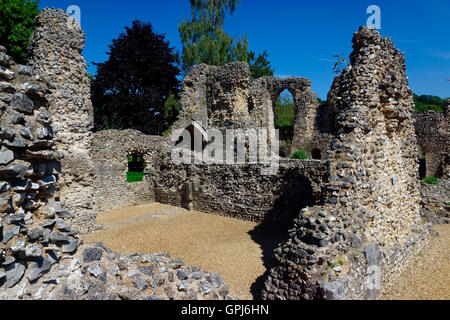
x=300, y=155
x=431, y=180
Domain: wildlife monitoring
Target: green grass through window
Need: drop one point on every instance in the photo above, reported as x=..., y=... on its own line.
x=133, y=176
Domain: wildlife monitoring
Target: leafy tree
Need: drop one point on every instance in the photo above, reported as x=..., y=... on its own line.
x=136, y=87
x=203, y=38
x=284, y=112
x=205, y=41
x=16, y=26
x=427, y=102
x=260, y=66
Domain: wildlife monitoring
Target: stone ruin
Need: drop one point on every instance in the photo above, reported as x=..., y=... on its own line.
x=354, y=212
x=47, y=187
x=225, y=98
x=433, y=138
x=370, y=224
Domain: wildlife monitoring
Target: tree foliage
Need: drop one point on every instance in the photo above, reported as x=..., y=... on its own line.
x=205, y=41
x=203, y=38
x=427, y=102
x=260, y=66
x=16, y=26
x=284, y=112
x=137, y=86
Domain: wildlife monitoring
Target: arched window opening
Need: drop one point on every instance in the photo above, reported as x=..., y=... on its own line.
x=135, y=168
x=316, y=154
x=198, y=140
x=284, y=117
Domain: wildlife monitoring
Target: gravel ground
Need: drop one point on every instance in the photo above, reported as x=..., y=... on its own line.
x=428, y=276
x=240, y=252
x=216, y=244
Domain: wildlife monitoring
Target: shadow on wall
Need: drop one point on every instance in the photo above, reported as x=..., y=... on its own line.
x=276, y=224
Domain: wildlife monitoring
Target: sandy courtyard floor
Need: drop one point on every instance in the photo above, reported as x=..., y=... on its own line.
x=428, y=275
x=216, y=244
x=241, y=253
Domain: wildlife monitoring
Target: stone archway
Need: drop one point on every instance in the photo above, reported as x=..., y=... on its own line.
x=305, y=111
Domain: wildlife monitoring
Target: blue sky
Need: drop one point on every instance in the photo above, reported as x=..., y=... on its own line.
x=300, y=36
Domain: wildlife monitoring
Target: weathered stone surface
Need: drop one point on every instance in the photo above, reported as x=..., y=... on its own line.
x=6, y=156
x=70, y=108
x=6, y=74
x=70, y=247
x=14, y=273
x=15, y=170
x=182, y=275
x=35, y=234
x=8, y=235
x=92, y=254
x=58, y=237
x=7, y=87
x=5, y=202
x=25, y=70
x=33, y=251
x=373, y=254
x=37, y=268
x=336, y=290
x=21, y=103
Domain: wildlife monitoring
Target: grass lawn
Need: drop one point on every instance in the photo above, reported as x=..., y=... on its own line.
x=133, y=176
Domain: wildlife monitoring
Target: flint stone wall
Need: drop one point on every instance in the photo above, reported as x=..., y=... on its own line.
x=41, y=256
x=433, y=136
x=35, y=231
x=370, y=225
x=55, y=52
x=110, y=150
x=241, y=191
x=225, y=98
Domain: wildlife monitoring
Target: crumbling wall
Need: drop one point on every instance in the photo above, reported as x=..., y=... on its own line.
x=55, y=52
x=370, y=225
x=110, y=150
x=225, y=98
x=41, y=257
x=240, y=191
x=433, y=136
x=34, y=233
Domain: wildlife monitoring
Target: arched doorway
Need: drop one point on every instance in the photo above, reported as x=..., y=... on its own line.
x=284, y=118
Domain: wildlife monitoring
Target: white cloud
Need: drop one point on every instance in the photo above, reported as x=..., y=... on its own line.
x=441, y=54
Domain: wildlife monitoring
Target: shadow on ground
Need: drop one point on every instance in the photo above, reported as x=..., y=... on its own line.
x=268, y=238
x=274, y=229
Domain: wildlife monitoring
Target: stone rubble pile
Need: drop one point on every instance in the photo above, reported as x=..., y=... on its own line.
x=96, y=273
